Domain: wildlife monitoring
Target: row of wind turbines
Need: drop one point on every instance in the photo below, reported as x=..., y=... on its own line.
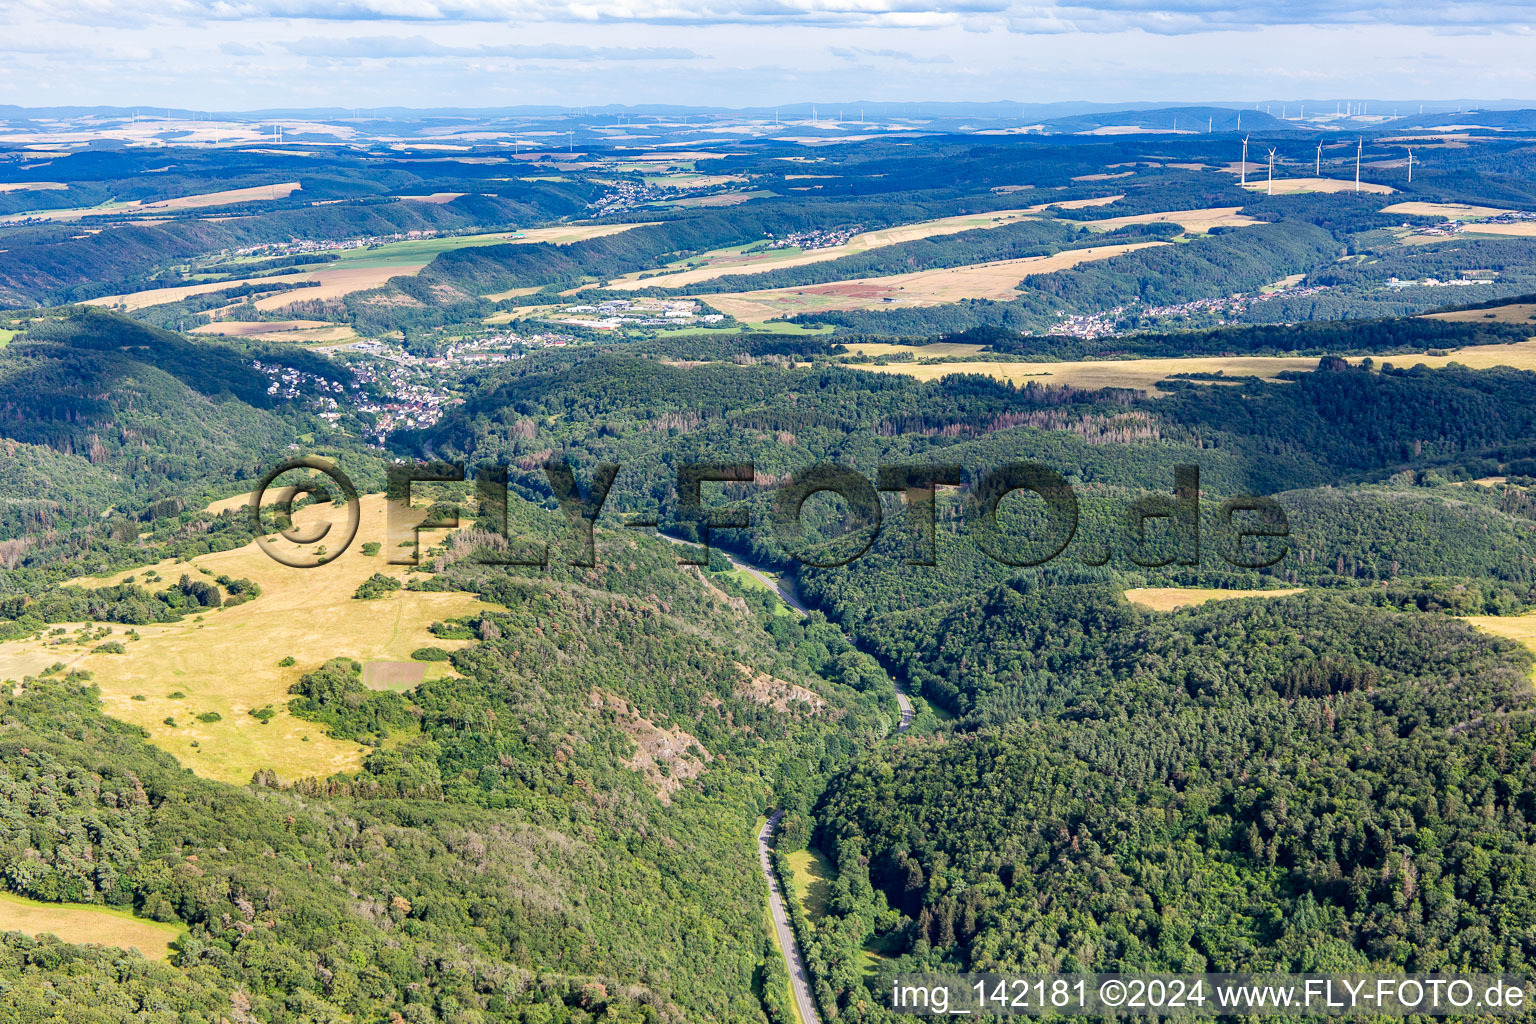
x=1318, y=169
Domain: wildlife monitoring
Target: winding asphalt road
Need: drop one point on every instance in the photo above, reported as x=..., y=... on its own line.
x=799, y=981
x=786, y=591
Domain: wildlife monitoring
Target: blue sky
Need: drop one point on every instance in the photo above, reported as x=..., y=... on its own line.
x=241, y=54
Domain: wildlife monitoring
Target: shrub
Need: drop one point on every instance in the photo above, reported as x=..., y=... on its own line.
x=210, y=716
x=376, y=586
x=287, y=662
x=110, y=647
x=371, y=548
x=429, y=654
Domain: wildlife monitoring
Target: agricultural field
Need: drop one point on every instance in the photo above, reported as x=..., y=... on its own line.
x=1513, y=313
x=1194, y=222
x=86, y=924
x=312, y=332
x=1450, y=211
x=1300, y=186
x=1144, y=374
x=1521, y=229
x=997, y=281
x=933, y=350
x=32, y=186
x=226, y=662
x=736, y=260
x=1519, y=628
x=813, y=875
x=202, y=201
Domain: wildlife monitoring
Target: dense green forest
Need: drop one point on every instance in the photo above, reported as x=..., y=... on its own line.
x=556, y=824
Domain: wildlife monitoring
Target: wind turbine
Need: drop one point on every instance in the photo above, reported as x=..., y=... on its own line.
x=1359, y=148
x=1319, y=171
x=1244, y=169
x=1271, y=172
x=1410, y=166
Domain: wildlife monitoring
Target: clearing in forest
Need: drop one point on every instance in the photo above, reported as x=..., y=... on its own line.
x=1167, y=599
x=1144, y=374
x=1512, y=313
x=86, y=924
x=1194, y=222
x=225, y=662
x=1258, y=181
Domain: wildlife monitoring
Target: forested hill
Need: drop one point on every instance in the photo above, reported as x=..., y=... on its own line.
x=120, y=416
x=1299, y=784
x=558, y=830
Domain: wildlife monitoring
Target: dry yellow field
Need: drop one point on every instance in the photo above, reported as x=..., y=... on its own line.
x=83, y=924
x=1194, y=222
x=228, y=663
x=1523, y=229
x=1513, y=313
x=1450, y=211
x=998, y=281
x=1519, y=628
x=343, y=279
x=333, y=285
x=318, y=332
x=936, y=350
x=722, y=262
x=245, y=328
x=230, y=197
x=1166, y=599
x=1292, y=186
x=567, y=233
x=336, y=283
x=206, y=200
x=274, y=496
x=1143, y=374
x=731, y=261
x=32, y=186
x=436, y=198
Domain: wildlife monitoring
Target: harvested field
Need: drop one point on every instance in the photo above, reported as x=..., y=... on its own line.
x=32, y=186
x=246, y=328
x=436, y=198
x=1194, y=222
x=1519, y=628
x=160, y=296
x=230, y=197
x=1521, y=229
x=206, y=200
x=84, y=924
x=998, y=280
x=1143, y=374
x=1514, y=313
x=936, y=350
x=1450, y=211
x=1167, y=599
x=1293, y=186
x=733, y=260
x=337, y=283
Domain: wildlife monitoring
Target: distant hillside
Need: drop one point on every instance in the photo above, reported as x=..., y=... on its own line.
x=123, y=413
x=1169, y=119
